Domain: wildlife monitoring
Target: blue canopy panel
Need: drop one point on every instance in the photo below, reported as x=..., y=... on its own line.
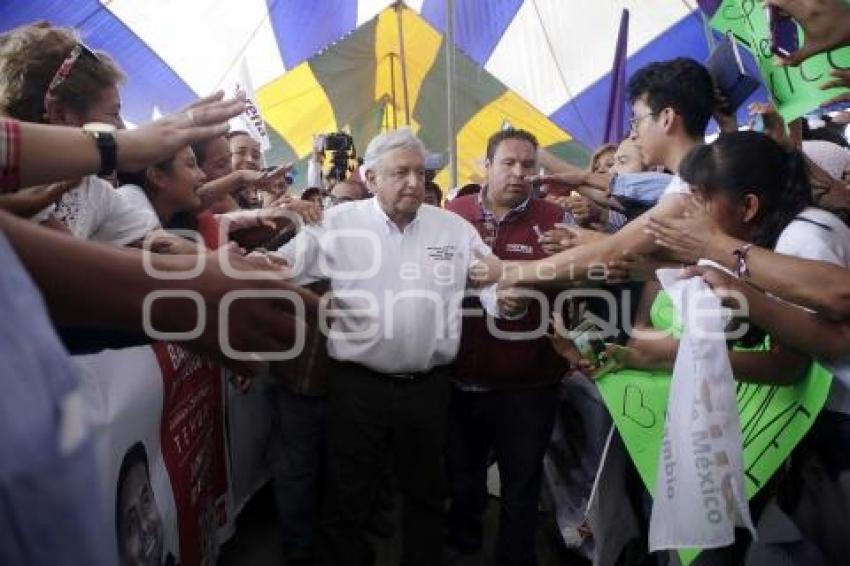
x=146, y=72
x=478, y=25
x=305, y=27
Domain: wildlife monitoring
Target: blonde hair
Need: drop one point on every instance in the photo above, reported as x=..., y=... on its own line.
x=31, y=54
x=599, y=153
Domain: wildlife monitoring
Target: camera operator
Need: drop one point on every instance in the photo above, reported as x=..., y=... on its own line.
x=340, y=145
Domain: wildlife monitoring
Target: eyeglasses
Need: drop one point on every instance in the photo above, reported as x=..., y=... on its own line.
x=79, y=50
x=635, y=120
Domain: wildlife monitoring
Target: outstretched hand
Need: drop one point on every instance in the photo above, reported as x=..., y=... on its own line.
x=565, y=347
x=687, y=236
x=159, y=140
x=826, y=24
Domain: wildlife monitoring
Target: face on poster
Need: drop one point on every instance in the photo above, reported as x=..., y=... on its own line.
x=138, y=520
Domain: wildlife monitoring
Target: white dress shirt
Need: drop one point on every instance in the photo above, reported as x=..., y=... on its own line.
x=397, y=294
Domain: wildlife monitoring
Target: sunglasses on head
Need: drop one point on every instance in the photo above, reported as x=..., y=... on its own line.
x=79, y=51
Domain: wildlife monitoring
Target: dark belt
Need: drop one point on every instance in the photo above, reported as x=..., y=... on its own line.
x=404, y=377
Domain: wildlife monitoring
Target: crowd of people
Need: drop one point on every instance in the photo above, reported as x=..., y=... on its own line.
x=438, y=328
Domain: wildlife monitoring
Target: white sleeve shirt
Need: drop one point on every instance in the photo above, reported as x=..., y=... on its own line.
x=397, y=294
x=820, y=235
x=94, y=211
x=134, y=197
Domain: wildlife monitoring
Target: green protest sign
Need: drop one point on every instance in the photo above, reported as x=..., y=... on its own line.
x=773, y=419
x=795, y=90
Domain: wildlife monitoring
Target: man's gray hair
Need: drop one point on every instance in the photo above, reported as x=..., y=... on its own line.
x=402, y=138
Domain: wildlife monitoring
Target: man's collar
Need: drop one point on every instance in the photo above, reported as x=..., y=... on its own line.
x=387, y=221
x=486, y=211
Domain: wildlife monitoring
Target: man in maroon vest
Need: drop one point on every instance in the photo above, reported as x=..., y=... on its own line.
x=505, y=392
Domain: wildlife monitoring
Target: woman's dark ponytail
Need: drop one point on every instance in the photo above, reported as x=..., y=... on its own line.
x=793, y=196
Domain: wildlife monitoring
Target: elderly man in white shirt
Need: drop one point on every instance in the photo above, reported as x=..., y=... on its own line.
x=398, y=272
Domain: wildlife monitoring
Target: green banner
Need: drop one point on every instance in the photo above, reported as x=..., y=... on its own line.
x=773, y=419
x=795, y=90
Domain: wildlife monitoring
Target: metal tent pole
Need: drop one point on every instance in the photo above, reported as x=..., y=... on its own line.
x=392, y=91
x=398, y=9
x=450, y=63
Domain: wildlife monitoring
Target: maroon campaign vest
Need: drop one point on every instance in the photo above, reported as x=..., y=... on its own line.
x=492, y=362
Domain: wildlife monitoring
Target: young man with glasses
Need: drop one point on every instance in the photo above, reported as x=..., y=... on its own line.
x=672, y=102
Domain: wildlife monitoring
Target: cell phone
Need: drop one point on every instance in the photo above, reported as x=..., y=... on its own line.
x=784, y=38
x=588, y=340
x=758, y=123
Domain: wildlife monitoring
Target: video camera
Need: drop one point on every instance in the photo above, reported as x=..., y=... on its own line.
x=341, y=146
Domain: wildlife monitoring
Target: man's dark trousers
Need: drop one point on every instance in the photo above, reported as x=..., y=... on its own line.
x=516, y=424
x=371, y=415
x=299, y=471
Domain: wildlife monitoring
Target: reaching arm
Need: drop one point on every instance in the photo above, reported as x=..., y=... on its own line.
x=778, y=366
x=214, y=190
x=30, y=201
x=786, y=323
x=818, y=285
x=54, y=153
x=555, y=164
x=91, y=285
x=581, y=263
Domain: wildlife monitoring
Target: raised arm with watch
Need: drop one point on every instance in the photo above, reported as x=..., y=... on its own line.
x=54, y=153
x=818, y=285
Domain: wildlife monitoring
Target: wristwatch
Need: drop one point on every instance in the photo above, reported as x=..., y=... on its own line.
x=104, y=136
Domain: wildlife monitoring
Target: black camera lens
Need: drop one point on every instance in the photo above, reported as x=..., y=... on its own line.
x=338, y=141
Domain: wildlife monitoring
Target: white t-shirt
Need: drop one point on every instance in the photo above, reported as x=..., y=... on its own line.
x=134, y=196
x=822, y=236
x=677, y=186
x=94, y=211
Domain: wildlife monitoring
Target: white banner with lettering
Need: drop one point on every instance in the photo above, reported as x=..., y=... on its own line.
x=699, y=494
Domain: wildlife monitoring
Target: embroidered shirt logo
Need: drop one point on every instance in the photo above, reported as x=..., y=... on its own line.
x=519, y=248
x=441, y=253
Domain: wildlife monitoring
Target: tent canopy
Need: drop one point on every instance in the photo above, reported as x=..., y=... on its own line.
x=356, y=85
x=550, y=54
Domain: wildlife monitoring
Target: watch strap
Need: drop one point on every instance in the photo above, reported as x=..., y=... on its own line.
x=108, y=149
